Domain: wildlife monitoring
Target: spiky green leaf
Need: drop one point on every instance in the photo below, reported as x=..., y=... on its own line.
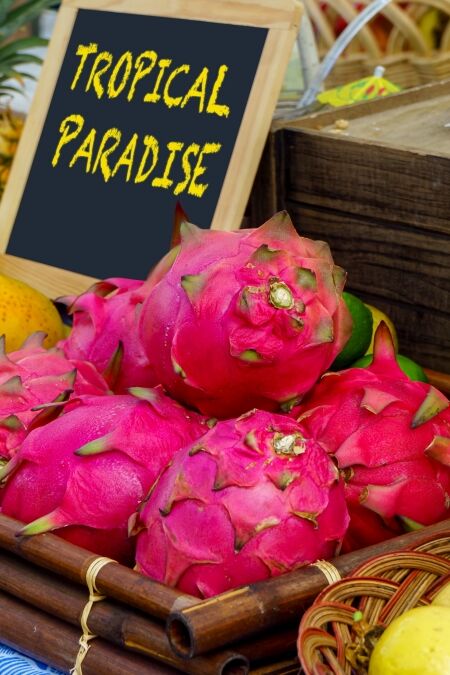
x=16, y=46
x=12, y=422
x=409, y=525
x=433, y=403
x=112, y=370
x=96, y=447
x=192, y=285
x=250, y=356
x=13, y=19
x=39, y=526
x=144, y=393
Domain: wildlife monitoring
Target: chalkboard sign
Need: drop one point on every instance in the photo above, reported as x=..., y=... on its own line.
x=137, y=109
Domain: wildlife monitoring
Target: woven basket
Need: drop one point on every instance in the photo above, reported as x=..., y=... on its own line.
x=407, y=58
x=334, y=641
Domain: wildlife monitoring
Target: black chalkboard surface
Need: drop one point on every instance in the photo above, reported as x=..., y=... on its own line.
x=145, y=112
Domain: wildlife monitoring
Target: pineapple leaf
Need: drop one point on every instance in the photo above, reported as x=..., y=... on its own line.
x=25, y=76
x=9, y=74
x=20, y=59
x=5, y=6
x=18, y=17
x=9, y=88
x=16, y=75
x=13, y=48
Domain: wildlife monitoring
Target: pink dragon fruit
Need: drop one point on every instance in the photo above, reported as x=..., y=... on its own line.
x=105, y=320
x=245, y=319
x=252, y=499
x=87, y=470
x=32, y=376
x=391, y=439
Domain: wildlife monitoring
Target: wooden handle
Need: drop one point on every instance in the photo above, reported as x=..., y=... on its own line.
x=415, y=10
x=346, y=9
x=445, y=39
x=397, y=40
x=406, y=25
x=320, y=22
x=405, y=28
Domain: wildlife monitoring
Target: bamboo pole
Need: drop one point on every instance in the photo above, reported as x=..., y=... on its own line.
x=269, y=646
x=247, y=611
x=286, y=667
x=114, y=622
x=115, y=581
x=54, y=642
x=108, y=620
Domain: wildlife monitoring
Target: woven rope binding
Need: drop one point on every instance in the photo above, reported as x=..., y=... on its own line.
x=94, y=596
x=330, y=572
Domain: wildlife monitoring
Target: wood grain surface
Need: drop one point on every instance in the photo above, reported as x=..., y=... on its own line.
x=363, y=178
x=51, y=281
x=380, y=196
x=403, y=271
x=385, y=104
x=405, y=127
x=266, y=13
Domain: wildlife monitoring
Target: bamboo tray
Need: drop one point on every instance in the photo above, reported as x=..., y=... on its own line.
x=143, y=626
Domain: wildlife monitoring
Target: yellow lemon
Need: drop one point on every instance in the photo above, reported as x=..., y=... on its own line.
x=415, y=643
x=24, y=310
x=443, y=597
x=378, y=316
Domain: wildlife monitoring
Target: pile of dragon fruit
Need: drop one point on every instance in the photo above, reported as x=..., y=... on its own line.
x=188, y=424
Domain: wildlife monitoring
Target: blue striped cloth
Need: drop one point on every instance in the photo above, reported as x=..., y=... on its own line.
x=13, y=663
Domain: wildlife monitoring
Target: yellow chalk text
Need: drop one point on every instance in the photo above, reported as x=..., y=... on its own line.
x=133, y=158
x=149, y=79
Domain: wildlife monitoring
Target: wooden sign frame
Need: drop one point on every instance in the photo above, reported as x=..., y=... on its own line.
x=280, y=17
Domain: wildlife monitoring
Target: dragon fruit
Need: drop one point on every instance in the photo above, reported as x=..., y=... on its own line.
x=105, y=320
x=391, y=439
x=253, y=498
x=87, y=470
x=245, y=319
x=33, y=376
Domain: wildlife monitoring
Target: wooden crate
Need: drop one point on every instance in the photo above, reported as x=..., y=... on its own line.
x=379, y=193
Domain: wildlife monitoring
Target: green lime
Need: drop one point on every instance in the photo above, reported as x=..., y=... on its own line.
x=361, y=332
x=409, y=367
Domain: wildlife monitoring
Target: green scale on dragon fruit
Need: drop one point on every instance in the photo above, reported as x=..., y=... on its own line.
x=246, y=319
x=254, y=498
x=84, y=473
x=31, y=378
x=391, y=439
x=105, y=330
